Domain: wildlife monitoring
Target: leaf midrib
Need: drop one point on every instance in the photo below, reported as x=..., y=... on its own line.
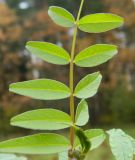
x=65, y=17
x=83, y=23
x=52, y=53
x=92, y=55
x=19, y=121
x=40, y=89
x=24, y=146
x=84, y=86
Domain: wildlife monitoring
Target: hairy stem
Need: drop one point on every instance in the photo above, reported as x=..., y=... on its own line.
x=71, y=75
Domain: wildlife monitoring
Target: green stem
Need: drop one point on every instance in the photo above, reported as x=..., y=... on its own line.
x=80, y=10
x=71, y=74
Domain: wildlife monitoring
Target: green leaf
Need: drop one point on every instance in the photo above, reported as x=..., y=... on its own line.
x=36, y=144
x=132, y=141
x=95, y=136
x=88, y=86
x=83, y=140
x=63, y=156
x=43, y=119
x=43, y=89
x=48, y=52
x=82, y=113
x=11, y=157
x=95, y=55
x=100, y=22
x=61, y=16
x=121, y=145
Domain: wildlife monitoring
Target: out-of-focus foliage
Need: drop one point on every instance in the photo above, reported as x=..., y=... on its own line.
x=14, y=66
x=21, y=21
x=122, y=105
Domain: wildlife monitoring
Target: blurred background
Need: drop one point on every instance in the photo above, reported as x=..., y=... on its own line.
x=24, y=20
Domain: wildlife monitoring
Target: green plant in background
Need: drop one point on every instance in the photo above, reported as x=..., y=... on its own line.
x=80, y=141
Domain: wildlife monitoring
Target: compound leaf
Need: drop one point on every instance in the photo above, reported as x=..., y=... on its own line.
x=82, y=113
x=48, y=52
x=43, y=119
x=121, y=145
x=43, y=89
x=61, y=16
x=95, y=55
x=36, y=144
x=88, y=86
x=100, y=22
x=95, y=136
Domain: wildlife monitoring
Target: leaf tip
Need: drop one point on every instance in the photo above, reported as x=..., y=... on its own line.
x=29, y=43
x=11, y=86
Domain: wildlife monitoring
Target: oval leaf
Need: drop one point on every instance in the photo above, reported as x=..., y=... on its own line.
x=61, y=16
x=88, y=86
x=121, y=145
x=43, y=89
x=43, y=119
x=36, y=144
x=95, y=55
x=100, y=22
x=95, y=136
x=11, y=157
x=48, y=52
x=82, y=113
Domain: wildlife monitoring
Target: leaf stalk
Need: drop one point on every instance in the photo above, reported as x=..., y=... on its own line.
x=71, y=76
